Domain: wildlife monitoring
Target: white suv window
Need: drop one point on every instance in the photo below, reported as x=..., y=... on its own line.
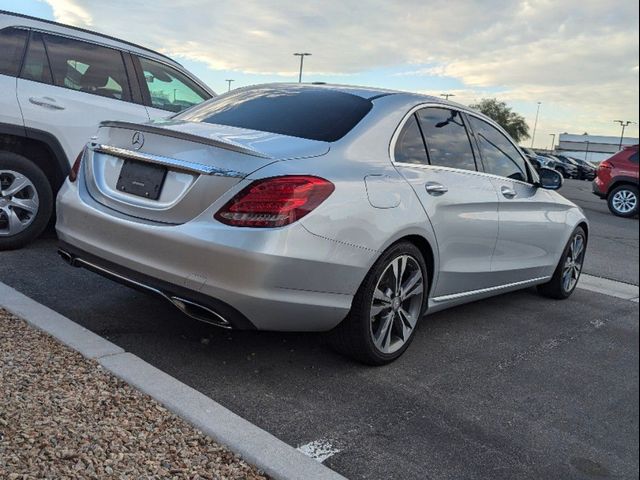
x=87, y=67
x=170, y=89
x=12, y=43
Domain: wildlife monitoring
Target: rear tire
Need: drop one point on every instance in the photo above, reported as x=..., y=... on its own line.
x=385, y=312
x=623, y=201
x=567, y=273
x=26, y=201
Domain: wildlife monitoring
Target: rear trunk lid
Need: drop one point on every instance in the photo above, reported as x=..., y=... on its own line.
x=176, y=170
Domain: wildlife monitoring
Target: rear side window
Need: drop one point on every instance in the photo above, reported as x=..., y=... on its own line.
x=410, y=145
x=311, y=113
x=12, y=44
x=447, y=140
x=499, y=155
x=87, y=67
x=170, y=89
x=634, y=158
x=36, y=64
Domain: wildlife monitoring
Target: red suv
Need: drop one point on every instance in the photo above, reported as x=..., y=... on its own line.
x=617, y=181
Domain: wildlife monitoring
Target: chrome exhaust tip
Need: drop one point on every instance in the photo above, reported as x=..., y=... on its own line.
x=199, y=312
x=67, y=257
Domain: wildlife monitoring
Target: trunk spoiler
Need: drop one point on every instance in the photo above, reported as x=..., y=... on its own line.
x=183, y=136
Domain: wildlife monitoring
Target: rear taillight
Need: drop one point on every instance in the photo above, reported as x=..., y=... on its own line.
x=73, y=174
x=606, y=165
x=275, y=201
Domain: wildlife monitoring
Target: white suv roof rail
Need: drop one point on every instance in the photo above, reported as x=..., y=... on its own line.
x=91, y=32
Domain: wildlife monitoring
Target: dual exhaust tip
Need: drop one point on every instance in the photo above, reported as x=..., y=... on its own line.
x=190, y=308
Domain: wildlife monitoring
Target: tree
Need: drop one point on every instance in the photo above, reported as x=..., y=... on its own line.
x=512, y=122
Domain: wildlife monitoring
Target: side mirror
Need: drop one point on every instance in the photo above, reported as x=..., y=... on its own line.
x=550, y=179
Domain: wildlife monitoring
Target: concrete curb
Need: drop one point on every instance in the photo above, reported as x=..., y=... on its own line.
x=613, y=288
x=256, y=446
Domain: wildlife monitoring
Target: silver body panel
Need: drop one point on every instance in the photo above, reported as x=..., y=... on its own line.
x=303, y=277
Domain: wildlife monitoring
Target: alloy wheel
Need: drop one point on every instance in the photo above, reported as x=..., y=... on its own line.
x=573, y=263
x=624, y=201
x=396, y=304
x=19, y=202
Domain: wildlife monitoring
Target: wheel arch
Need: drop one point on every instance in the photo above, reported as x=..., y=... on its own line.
x=620, y=181
x=41, y=148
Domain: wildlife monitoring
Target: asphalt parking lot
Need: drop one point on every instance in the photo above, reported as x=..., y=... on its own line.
x=517, y=386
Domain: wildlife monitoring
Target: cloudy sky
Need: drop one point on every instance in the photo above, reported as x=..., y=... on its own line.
x=579, y=58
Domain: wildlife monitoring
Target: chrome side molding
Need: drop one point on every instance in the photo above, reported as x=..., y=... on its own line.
x=455, y=296
x=175, y=163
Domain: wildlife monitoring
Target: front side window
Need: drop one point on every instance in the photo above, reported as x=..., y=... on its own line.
x=499, y=155
x=12, y=43
x=446, y=137
x=36, y=64
x=311, y=113
x=170, y=89
x=87, y=67
x=410, y=145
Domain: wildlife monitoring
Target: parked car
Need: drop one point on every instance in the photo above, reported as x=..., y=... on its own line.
x=317, y=208
x=617, y=182
x=58, y=83
x=567, y=168
x=586, y=171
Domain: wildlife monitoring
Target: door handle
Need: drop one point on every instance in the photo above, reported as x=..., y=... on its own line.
x=508, y=192
x=434, y=188
x=45, y=102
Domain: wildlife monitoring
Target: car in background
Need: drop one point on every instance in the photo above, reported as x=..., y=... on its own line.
x=566, y=167
x=538, y=161
x=617, y=182
x=57, y=83
x=586, y=171
x=298, y=207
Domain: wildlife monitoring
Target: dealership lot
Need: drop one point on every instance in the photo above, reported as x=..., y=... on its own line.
x=517, y=386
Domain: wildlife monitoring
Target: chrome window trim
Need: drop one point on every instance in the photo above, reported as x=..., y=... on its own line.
x=414, y=109
x=166, y=161
x=456, y=296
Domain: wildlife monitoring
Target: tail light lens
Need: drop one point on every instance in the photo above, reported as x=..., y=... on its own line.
x=275, y=201
x=606, y=165
x=73, y=174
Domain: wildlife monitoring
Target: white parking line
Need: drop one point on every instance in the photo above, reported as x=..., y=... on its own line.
x=625, y=291
x=319, y=450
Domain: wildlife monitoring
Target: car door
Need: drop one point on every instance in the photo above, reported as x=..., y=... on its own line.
x=12, y=45
x=167, y=90
x=434, y=154
x=532, y=221
x=67, y=87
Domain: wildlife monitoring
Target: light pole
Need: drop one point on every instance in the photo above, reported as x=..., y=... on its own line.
x=586, y=152
x=229, y=80
x=535, y=124
x=553, y=140
x=301, y=55
x=624, y=125
x=447, y=95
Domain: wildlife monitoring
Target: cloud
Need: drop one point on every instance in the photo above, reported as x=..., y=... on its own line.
x=577, y=53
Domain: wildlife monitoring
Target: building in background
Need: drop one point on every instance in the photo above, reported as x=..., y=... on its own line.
x=592, y=148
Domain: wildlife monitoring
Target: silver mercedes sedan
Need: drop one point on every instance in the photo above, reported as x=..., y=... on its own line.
x=320, y=208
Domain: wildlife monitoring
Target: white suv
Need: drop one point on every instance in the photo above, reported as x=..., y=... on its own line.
x=57, y=83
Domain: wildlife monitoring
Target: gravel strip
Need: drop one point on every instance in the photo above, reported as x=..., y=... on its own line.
x=63, y=416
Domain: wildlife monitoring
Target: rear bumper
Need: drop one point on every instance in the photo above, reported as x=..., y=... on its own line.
x=273, y=279
x=598, y=188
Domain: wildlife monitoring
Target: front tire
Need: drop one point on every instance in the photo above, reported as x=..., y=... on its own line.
x=623, y=201
x=26, y=201
x=567, y=273
x=386, y=309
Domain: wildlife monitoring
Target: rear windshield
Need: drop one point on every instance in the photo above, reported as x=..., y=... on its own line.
x=312, y=113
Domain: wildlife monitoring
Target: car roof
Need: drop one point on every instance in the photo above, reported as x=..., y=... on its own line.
x=29, y=18
x=368, y=93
